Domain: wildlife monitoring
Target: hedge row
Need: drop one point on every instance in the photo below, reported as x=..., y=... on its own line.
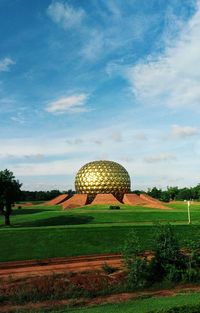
x=181, y=309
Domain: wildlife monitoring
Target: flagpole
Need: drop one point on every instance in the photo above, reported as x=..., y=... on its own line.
x=189, y=219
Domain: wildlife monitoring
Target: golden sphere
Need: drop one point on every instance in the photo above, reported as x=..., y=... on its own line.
x=103, y=177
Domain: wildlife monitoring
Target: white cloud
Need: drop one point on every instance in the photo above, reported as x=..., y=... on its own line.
x=5, y=64
x=118, y=31
x=116, y=136
x=65, y=15
x=183, y=131
x=73, y=104
x=172, y=78
x=18, y=118
x=140, y=136
x=160, y=158
x=94, y=45
x=58, y=167
x=20, y=148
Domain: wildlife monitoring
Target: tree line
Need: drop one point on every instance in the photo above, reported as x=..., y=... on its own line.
x=170, y=194
x=175, y=193
x=27, y=196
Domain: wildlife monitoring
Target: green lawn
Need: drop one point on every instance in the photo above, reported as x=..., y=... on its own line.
x=54, y=215
x=48, y=231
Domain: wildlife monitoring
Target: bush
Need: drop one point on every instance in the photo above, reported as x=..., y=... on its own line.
x=138, y=267
x=114, y=207
x=168, y=262
x=180, y=309
x=108, y=269
x=192, y=272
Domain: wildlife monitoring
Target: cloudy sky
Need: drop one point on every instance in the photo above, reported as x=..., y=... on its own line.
x=100, y=79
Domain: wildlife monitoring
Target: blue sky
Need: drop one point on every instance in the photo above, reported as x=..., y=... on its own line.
x=100, y=79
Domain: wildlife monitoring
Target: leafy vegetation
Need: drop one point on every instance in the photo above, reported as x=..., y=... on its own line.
x=31, y=196
x=168, y=262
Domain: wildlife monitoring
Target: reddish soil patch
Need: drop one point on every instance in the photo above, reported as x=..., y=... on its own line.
x=57, y=200
x=104, y=198
x=133, y=199
x=75, y=201
x=32, y=268
x=153, y=203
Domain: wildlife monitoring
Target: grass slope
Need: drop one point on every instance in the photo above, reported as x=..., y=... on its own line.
x=38, y=243
x=144, y=305
x=137, y=306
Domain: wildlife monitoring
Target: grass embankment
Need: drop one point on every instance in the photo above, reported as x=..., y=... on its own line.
x=44, y=231
x=154, y=304
x=38, y=243
x=143, y=305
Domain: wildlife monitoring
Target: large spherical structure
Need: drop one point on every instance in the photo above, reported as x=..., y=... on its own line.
x=103, y=177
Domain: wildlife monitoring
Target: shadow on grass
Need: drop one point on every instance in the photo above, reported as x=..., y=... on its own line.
x=55, y=221
x=27, y=211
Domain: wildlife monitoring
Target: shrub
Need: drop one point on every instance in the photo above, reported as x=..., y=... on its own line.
x=138, y=267
x=108, y=269
x=168, y=262
x=180, y=309
x=114, y=207
x=192, y=272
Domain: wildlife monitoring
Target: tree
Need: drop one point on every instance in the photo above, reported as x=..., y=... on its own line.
x=165, y=197
x=172, y=191
x=155, y=193
x=184, y=194
x=9, y=193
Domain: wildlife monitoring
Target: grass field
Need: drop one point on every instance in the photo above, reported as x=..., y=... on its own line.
x=48, y=231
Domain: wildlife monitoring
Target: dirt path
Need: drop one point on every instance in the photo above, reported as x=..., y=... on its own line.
x=30, y=268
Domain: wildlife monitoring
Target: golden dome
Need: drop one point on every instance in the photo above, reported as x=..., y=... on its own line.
x=103, y=177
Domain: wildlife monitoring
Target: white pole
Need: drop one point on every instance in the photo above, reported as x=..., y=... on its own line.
x=189, y=219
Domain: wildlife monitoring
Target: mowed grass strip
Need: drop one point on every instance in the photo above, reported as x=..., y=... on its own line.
x=45, y=242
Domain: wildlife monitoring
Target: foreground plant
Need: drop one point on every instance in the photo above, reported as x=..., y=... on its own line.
x=168, y=262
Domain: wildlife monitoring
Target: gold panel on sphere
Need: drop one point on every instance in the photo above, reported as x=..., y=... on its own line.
x=103, y=177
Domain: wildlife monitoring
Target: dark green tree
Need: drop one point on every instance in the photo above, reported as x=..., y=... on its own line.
x=172, y=191
x=155, y=193
x=184, y=194
x=9, y=193
x=165, y=197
